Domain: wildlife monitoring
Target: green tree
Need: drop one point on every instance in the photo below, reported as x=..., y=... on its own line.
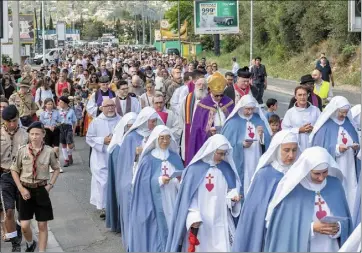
x=93, y=29
x=51, y=26
x=186, y=13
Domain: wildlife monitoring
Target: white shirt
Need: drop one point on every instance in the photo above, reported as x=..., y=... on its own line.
x=296, y=117
x=44, y=95
x=235, y=68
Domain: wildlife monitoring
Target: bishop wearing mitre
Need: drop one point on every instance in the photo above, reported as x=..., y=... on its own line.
x=210, y=114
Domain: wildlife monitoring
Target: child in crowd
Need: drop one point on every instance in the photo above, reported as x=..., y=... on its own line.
x=274, y=123
x=272, y=105
x=78, y=109
x=68, y=122
x=78, y=91
x=51, y=119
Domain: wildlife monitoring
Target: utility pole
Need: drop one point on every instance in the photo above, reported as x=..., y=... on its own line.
x=150, y=23
x=16, y=32
x=179, y=25
x=251, y=31
x=43, y=32
x=143, y=26
x=135, y=29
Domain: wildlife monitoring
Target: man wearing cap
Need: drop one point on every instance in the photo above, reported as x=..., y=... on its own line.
x=24, y=102
x=68, y=121
x=308, y=82
x=12, y=137
x=211, y=113
x=30, y=171
x=96, y=99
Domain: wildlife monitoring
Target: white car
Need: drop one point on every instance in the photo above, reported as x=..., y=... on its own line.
x=49, y=58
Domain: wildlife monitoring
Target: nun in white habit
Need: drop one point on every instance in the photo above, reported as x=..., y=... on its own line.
x=336, y=132
x=155, y=188
x=122, y=127
x=273, y=164
x=308, y=194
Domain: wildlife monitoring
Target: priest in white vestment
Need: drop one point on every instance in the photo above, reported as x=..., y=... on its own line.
x=208, y=201
x=99, y=136
x=335, y=131
x=309, y=210
x=301, y=118
x=187, y=110
x=154, y=193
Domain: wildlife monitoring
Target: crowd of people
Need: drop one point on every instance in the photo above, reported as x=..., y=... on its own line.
x=183, y=157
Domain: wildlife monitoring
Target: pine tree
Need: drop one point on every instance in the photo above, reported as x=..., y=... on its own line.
x=40, y=18
x=51, y=25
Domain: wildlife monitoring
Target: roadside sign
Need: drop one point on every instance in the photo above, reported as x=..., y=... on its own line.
x=216, y=17
x=354, y=15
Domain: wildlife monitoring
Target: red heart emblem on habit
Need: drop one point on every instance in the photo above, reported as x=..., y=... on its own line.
x=209, y=187
x=251, y=135
x=321, y=214
x=344, y=140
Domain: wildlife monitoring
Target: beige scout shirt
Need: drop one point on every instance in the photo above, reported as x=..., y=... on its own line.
x=23, y=164
x=28, y=108
x=9, y=146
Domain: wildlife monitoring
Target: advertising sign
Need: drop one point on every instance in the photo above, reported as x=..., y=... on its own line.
x=354, y=16
x=61, y=33
x=216, y=17
x=26, y=26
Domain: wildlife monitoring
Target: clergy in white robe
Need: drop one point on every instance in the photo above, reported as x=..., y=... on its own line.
x=301, y=118
x=98, y=137
x=208, y=201
x=247, y=130
x=272, y=166
x=336, y=132
x=308, y=195
x=125, y=103
x=121, y=128
x=154, y=193
x=169, y=118
x=353, y=243
x=187, y=110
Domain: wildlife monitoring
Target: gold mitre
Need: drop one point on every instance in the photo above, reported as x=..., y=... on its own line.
x=217, y=83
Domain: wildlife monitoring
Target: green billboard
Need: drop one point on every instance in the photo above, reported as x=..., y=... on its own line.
x=216, y=17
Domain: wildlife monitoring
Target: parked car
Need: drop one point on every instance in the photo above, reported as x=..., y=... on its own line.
x=171, y=51
x=38, y=58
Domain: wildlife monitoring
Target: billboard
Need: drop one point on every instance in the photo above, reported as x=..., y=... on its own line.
x=26, y=26
x=354, y=16
x=216, y=17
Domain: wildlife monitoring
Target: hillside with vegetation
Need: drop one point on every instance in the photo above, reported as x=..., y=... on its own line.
x=289, y=36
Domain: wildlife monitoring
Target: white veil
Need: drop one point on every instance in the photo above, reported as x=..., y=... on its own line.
x=309, y=159
x=118, y=131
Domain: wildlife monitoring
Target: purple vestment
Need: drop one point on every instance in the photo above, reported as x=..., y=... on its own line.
x=203, y=121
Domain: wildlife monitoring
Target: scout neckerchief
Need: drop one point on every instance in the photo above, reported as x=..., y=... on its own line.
x=64, y=114
x=22, y=97
x=35, y=157
x=11, y=134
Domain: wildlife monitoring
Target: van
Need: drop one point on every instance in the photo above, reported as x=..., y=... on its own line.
x=171, y=51
x=49, y=58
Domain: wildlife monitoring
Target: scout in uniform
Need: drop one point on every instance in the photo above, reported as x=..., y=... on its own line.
x=12, y=137
x=30, y=171
x=23, y=100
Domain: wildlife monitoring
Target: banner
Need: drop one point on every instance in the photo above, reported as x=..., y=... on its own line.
x=167, y=33
x=26, y=26
x=216, y=17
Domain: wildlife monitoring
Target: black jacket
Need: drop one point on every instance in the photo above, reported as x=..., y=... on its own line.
x=230, y=92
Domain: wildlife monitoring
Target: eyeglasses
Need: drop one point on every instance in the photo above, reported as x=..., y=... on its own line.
x=108, y=106
x=214, y=66
x=219, y=96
